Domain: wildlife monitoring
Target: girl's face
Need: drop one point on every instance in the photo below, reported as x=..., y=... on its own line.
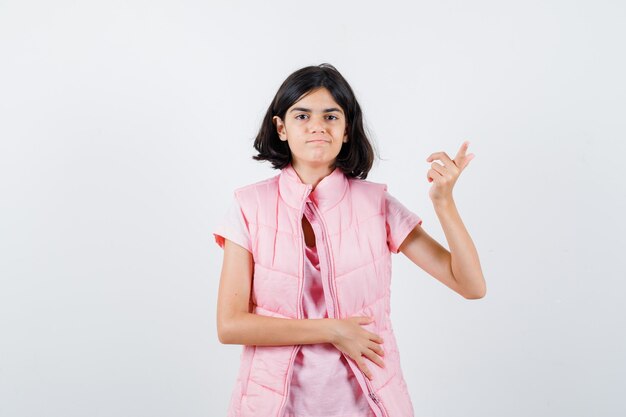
x=314, y=128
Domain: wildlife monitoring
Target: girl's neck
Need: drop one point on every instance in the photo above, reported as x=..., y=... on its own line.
x=312, y=174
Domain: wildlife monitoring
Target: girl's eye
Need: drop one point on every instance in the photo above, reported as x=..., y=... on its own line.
x=304, y=115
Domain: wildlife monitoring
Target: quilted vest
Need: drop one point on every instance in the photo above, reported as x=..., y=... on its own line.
x=355, y=264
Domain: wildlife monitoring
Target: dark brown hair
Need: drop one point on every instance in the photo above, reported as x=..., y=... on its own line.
x=356, y=156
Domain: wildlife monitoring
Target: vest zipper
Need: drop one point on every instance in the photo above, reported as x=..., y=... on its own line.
x=375, y=398
x=331, y=286
x=281, y=409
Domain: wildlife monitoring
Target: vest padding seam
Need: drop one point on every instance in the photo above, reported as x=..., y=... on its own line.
x=265, y=386
x=259, y=224
x=362, y=266
x=376, y=300
x=274, y=269
x=357, y=224
x=393, y=375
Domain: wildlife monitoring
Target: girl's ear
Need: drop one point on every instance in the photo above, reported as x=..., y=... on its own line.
x=280, y=127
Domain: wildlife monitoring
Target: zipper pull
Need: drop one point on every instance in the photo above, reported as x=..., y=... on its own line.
x=374, y=397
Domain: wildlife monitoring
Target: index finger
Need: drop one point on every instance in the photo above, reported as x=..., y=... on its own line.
x=462, y=149
x=376, y=338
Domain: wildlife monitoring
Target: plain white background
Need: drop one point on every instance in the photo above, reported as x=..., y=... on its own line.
x=126, y=125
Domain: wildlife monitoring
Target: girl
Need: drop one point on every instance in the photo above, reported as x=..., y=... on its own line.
x=306, y=272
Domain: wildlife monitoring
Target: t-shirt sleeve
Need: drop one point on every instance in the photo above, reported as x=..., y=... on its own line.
x=400, y=221
x=234, y=227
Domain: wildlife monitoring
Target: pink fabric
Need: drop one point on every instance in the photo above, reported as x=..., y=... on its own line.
x=399, y=220
x=322, y=382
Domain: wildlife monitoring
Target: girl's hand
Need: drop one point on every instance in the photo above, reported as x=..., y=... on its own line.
x=445, y=175
x=353, y=340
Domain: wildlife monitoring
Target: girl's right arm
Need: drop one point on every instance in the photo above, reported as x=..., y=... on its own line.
x=237, y=325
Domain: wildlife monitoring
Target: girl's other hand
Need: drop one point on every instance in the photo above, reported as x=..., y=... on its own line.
x=350, y=338
x=446, y=174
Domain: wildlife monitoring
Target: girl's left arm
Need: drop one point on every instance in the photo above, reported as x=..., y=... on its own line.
x=458, y=268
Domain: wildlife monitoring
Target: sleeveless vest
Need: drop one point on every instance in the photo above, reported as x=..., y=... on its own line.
x=355, y=263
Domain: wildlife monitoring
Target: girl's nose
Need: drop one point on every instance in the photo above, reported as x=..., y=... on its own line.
x=318, y=126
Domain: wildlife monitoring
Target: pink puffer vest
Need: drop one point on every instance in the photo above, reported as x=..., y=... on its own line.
x=356, y=272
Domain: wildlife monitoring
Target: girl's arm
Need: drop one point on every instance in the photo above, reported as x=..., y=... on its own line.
x=237, y=325
x=459, y=268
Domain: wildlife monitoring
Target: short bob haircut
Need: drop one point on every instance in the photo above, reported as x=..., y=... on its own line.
x=356, y=156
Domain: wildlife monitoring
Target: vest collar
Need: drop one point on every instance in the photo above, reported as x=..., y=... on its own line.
x=327, y=194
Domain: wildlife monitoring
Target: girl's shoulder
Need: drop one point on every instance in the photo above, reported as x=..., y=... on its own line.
x=367, y=185
x=252, y=186
x=249, y=195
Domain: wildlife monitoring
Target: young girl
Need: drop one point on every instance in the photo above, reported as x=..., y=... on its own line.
x=306, y=273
